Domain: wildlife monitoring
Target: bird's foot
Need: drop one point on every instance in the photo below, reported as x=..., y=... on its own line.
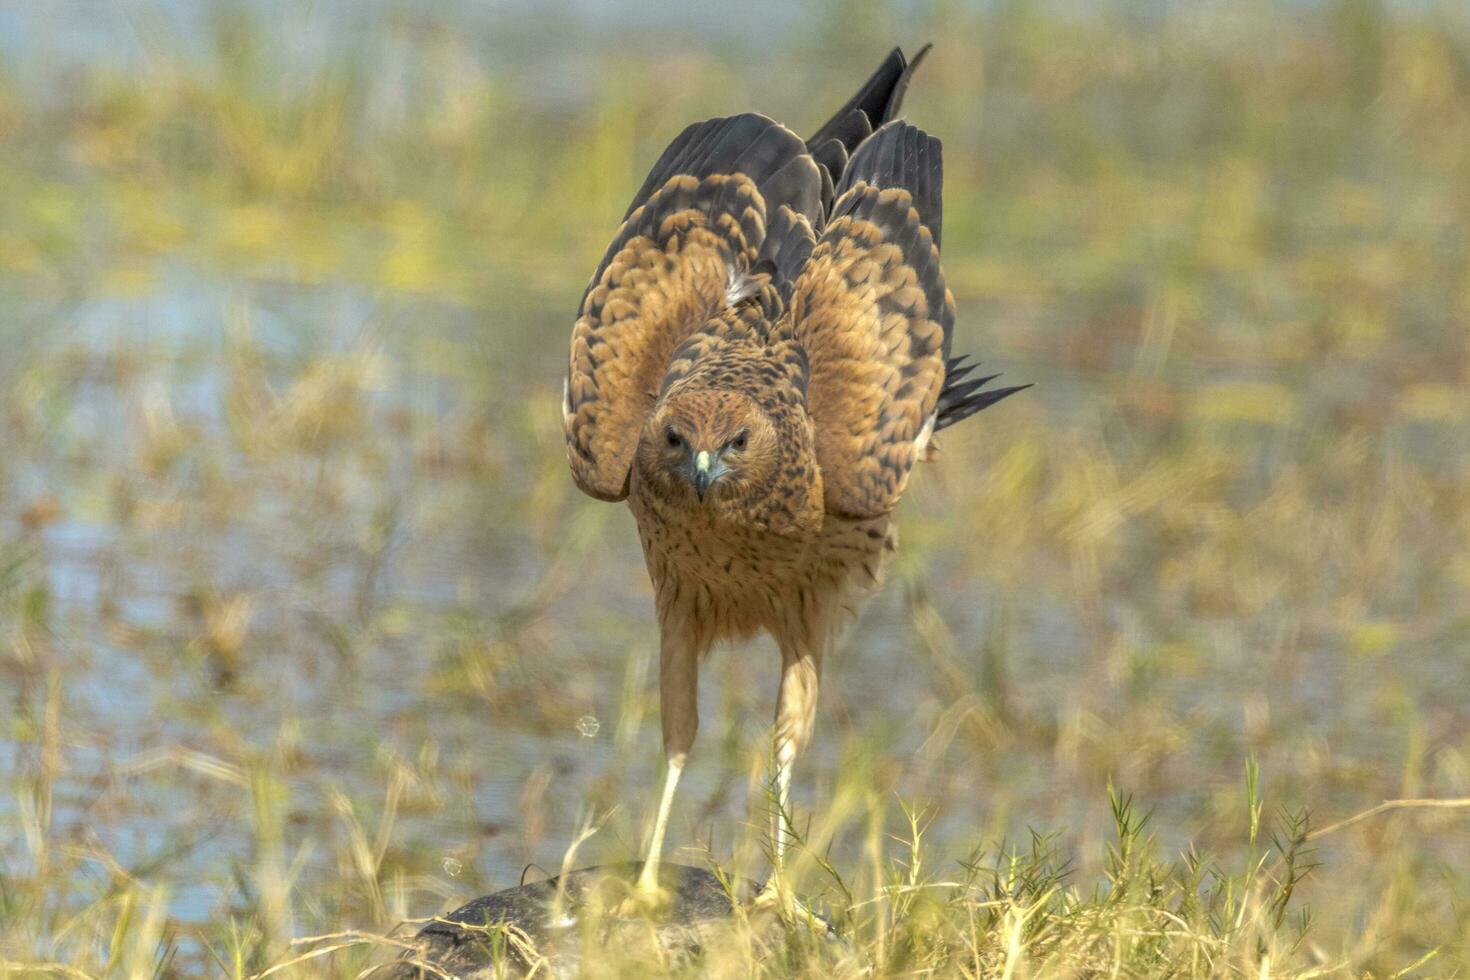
x=774, y=897
x=645, y=899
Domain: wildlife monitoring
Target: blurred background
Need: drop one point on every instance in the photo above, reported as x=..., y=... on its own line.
x=305, y=624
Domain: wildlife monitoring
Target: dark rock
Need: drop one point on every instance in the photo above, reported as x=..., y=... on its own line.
x=506, y=933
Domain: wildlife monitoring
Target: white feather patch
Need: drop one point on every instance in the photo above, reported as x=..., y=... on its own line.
x=921, y=444
x=742, y=285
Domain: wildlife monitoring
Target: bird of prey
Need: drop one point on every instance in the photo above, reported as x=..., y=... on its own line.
x=760, y=359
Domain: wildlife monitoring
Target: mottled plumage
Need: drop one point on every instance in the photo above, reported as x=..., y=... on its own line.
x=760, y=359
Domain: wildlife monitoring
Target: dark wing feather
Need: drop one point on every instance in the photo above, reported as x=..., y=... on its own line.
x=696, y=227
x=877, y=102
x=831, y=156
x=847, y=131
x=784, y=253
x=963, y=396
x=873, y=315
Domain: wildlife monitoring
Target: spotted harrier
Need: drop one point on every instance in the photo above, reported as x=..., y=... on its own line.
x=760, y=358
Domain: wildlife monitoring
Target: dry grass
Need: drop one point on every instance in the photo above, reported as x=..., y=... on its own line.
x=307, y=633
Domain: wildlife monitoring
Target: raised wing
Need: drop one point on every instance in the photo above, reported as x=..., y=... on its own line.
x=873, y=314
x=693, y=242
x=877, y=102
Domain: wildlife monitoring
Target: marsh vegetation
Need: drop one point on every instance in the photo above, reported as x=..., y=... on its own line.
x=305, y=631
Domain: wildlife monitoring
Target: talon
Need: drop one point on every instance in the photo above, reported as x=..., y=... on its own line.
x=640, y=904
x=645, y=899
x=791, y=910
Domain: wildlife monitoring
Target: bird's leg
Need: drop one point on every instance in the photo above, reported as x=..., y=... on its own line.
x=796, y=708
x=648, y=876
x=678, y=684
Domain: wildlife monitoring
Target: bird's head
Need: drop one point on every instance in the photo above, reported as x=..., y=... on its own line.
x=712, y=447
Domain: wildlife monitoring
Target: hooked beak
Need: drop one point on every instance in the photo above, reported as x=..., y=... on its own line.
x=707, y=470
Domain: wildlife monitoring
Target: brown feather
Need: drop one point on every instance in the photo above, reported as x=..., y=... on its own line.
x=876, y=349
x=678, y=252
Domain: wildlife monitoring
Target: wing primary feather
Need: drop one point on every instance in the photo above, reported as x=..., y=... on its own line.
x=880, y=99
x=829, y=193
x=850, y=130
x=787, y=246
x=798, y=185
x=958, y=402
x=832, y=155
x=900, y=155
x=872, y=101
x=767, y=152
x=959, y=392
x=748, y=143
x=957, y=368
x=901, y=86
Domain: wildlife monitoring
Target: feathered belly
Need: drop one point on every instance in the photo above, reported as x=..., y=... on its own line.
x=727, y=582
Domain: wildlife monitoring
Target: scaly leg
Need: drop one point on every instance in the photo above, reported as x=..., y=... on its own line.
x=796, y=708
x=678, y=684
x=648, y=877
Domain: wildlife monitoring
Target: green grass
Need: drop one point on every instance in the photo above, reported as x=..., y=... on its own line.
x=303, y=626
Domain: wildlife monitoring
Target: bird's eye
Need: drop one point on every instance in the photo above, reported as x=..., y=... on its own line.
x=739, y=441
x=674, y=441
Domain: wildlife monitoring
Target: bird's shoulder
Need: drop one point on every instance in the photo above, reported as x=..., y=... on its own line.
x=742, y=350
